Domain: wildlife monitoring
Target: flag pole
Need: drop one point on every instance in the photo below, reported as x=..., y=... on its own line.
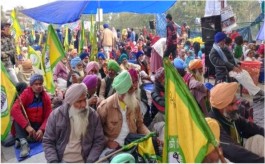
x=220, y=154
x=23, y=109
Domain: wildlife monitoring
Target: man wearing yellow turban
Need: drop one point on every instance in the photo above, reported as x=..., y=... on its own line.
x=235, y=128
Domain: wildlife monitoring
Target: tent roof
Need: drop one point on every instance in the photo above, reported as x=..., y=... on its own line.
x=61, y=12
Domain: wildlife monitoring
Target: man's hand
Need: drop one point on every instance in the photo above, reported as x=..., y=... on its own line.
x=112, y=144
x=39, y=135
x=237, y=69
x=31, y=131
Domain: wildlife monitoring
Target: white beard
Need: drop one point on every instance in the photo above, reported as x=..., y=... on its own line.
x=130, y=101
x=81, y=72
x=80, y=120
x=199, y=76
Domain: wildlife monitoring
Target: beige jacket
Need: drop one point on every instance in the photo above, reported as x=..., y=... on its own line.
x=111, y=118
x=107, y=38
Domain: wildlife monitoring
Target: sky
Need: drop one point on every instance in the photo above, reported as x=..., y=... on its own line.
x=10, y=4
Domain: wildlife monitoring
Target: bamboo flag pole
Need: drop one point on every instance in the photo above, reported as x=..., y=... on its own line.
x=23, y=109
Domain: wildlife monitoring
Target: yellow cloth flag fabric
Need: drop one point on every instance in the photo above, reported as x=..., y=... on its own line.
x=81, y=38
x=187, y=134
x=66, y=40
x=8, y=95
x=55, y=47
x=93, y=40
x=53, y=53
x=16, y=29
x=146, y=149
x=34, y=57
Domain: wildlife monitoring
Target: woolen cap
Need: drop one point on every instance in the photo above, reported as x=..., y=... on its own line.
x=34, y=78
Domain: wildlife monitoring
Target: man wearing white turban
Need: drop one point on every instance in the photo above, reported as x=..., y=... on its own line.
x=74, y=132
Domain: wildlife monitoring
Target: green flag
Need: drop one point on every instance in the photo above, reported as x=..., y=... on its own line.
x=34, y=57
x=93, y=40
x=81, y=38
x=66, y=40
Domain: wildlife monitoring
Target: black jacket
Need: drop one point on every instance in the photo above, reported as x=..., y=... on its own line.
x=222, y=68
x=233, y=151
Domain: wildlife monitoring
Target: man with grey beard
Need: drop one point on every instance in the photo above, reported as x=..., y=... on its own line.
x=235, y=128
x=120, y=113
x=195, y=83
x=74, y=133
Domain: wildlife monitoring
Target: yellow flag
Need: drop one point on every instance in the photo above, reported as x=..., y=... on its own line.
x=187, y=134
x=16, y=30
x=54, y=47
x=8, y=95
x=34, y=57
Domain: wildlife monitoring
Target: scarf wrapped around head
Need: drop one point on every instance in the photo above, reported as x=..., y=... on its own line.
x=91, y=81
x=101, y=55
x=83, y=55
x=113, y=65
x=75, y=61
x=122, y=82
x=74, y=92
x=122, y=57
x=91, y=65
x=179, y=63
x=138, y=54
x=215, y=128
x=134, y=74
x=223, y=94
x=27, y=65
x=195, y=64
x=218, y=37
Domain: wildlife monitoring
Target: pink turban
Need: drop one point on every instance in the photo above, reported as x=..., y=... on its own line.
x=91, y=81
x=74, y=92
x=134, y=74
x=92, y=65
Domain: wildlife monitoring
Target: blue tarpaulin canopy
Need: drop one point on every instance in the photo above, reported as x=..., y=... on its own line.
x=61, y=12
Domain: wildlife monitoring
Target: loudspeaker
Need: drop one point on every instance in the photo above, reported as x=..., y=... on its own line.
x=210, y=71
x=210, y=26
x=152, y=24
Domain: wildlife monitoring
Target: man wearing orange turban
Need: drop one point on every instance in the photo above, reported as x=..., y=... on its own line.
x=195, y=80
x=235, y=128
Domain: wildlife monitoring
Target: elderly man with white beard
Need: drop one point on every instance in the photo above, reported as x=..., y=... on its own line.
x=195, y=83
x=120, y=113
x=241, y=140
x=74, y=132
